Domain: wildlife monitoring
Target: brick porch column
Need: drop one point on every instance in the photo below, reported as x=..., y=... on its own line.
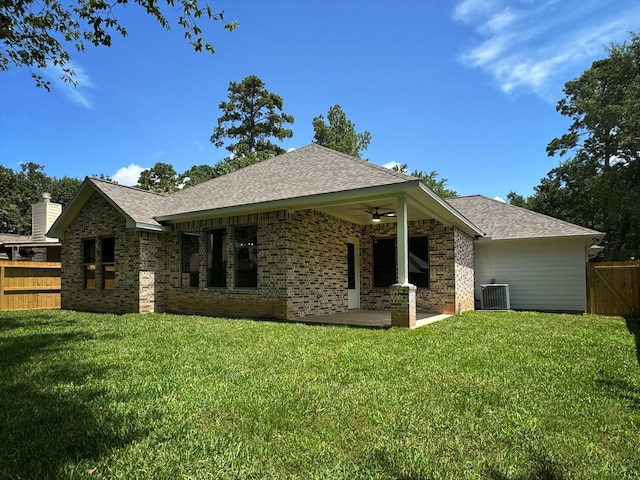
x=403, y=305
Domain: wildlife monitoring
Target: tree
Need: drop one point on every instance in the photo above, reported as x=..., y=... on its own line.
x=200, y=173
x=39, y=33
x=599, y=186
x=23, y=189
x=252, y=117
x=160, y=178
x=430, y=179
x=340, y=133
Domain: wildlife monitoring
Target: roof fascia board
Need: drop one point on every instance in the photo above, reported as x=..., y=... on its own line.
x=298, y=203
x=458, y=218
x=145, y=226
x=586, y=238
x=75, y=205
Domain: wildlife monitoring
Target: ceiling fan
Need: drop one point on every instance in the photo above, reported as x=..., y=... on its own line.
x=376, y=216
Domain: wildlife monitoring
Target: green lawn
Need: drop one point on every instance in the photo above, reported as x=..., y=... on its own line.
x=481, y=395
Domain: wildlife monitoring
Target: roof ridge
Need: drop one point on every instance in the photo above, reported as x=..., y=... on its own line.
x=116, y=184
x=403, y=176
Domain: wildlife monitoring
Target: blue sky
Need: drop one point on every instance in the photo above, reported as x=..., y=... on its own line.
x=467, y=88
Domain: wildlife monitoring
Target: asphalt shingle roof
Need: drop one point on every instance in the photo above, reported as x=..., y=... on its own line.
x=502, y=221
x=309, y=170
x=139, y=205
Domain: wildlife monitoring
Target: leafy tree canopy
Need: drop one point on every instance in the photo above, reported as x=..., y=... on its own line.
x=339, y=133
x=251, y=117
x=160, y=178
x=39, y=33
x=599, y=186
x=430, y=179
x=20, y=190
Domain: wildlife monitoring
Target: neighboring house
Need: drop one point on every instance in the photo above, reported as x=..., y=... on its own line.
x=541, y=258
x=309, y=232
x=36, y=247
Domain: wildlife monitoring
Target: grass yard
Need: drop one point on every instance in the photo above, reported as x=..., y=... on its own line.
x=481, y=395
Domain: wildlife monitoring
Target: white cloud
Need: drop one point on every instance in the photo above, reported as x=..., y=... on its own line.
x=538, y=46
x=128, y=175
x=469, y=10
x=291, y=149
x=391, y=164
x=199, y=146
x=500, y=199
x=79, y=94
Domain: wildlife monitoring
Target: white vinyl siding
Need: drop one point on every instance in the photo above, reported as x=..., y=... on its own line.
x=544, y=274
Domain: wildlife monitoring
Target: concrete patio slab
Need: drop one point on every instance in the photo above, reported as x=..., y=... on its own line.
x=370, y=318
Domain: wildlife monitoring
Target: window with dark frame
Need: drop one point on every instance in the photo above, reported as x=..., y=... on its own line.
x=217, y=258
x=89, y=262
x=385, y=261
x=419, y=261
x=108, y=262
x=246, y=256
x=190, y=259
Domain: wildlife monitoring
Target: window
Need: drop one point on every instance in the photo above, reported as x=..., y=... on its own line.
x=190, y=260
x=89, y=260
x=419, y=261
x=217, y=258
x=246, y=256
x=108, y=261
x=384, y=262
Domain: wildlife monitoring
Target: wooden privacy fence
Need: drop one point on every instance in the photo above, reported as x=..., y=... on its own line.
x=29, y=285
x=613, y=288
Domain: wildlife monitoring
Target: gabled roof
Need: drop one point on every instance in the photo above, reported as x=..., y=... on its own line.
x=137, y=206
x=502, y=221
x=310, y=177
x=305, y=172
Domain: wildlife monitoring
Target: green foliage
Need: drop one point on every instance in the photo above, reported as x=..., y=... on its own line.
x=198, y=174
x=480, y=395
x=39, y=34
x=161, y=178
x=439, y=187
x=599, y=187
x=339, y=133
x=251, y=117
x=20, y=190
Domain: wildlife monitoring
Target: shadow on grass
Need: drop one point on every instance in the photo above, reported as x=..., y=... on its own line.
x=18, y=319
x=633, y=325
x=51, y=422
x=544, y=468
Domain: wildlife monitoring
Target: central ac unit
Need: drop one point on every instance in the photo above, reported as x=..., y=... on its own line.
x=495, y=296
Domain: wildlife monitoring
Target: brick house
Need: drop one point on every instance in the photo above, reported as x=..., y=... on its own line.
x=298, y=235
x=306, y=233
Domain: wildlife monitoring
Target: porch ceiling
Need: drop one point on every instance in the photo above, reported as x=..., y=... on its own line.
x=356, y=212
